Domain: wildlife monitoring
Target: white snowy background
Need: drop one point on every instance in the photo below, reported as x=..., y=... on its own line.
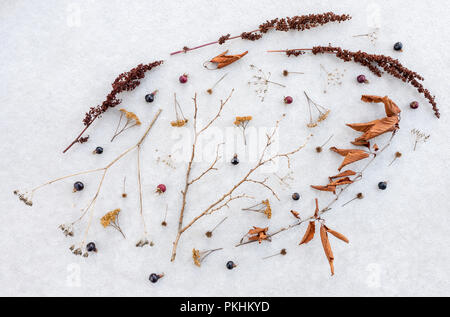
x=58, y=58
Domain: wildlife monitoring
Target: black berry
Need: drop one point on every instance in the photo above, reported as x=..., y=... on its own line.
x=295, y=196
x=382, y=185
x=154, y=277
x=149, y=97
x=414, y=105
x=98, y=150
x=235, y=160
x=90, y=247
x=230, y=265
x=398, y=46
x=77, y=186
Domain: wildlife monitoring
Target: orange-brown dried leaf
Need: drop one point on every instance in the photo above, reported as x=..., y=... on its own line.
x=361, y=143
x=341, y=181
x=327, y=247
x=343, y=174
x=223, y=60
x=351, y=155
x=390, y=107
x=325, y=188
x=375, y=147
x=257, y=230
x=309, y=234
x=337, y=235
x=374, y=128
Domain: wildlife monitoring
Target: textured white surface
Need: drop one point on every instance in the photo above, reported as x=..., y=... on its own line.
x=59, y=57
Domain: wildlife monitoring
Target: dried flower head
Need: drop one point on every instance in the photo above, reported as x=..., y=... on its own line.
x=396, y=156
x=67, y=229
x=419, y=137
x=358, y=196
x=25, y=197
x=262, y=207
x=209, y=233
x=372, y=36
x=261, y=82
x=286, y=73
x=180, y=120
x=242, y=122
x=210, y=90
x=199, y=256
x=322, y=112
x=132, y=120
x=111, y=219
x=333, y=78
x=282, y=252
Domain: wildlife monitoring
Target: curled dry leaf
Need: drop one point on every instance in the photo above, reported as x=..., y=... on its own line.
x=258, y=234
x=331, y=187
x=337, y=234
x=344, y=173
x=223, y=60
x=351, y=155
x=374, y=128
x=326, y=188
x=390, y=107
x=309, y=234
x=327, y=247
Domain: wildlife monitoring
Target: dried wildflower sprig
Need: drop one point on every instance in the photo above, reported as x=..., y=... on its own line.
x=286, y=73
x=320, y=148
x=132, y=120
x=210, y=90
x=210, y=232
x=419, y=137
x=229, y=196
x=323, y=112
x=124, y=193
x=127, y=81
x=358, y=196
x=396, y=156
x=298, y=23
x=242, y=123
x=375, y=63
x=262, y=80
x=262, y=207
x=104, y=170
x=282, y=252
x=164, y=223
x=111, y=219
x=372, y=36
x=284, y=181
x=333, y=78
x=180, y=119
x=199, y=256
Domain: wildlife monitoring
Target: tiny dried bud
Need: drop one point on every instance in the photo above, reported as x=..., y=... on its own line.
x=318, y=149
x=283, y=252
x=398, y=154
x=208, y=234
x=360, y=196
x=164, y=224
x=285, y=72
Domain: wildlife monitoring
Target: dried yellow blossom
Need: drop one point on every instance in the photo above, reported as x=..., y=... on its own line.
x=196, y=257
x=179, y=123
x=131, y=116
x=241, y=120
x=267, y=210
x=110, y=217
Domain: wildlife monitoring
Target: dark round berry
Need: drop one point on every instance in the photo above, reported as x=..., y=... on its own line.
x=361, y=79
x=230, y=265
x=295, y=196
x=154, y=277
x=414, y=105
x=398, y=46
x=149, y=97
x=235, y=160
x=77, y=186
x=382, y=185
x=98, y=150
x=288, y=100
x=90, y=247
x=183, y=79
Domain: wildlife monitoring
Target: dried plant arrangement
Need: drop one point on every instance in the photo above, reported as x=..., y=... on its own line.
x=298, y=23
x=228, y=196
x=127, y=81
x=67, y=229
x=340, y=182
x=375, y=63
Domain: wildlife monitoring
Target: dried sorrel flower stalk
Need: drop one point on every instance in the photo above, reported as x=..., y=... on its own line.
x=127, y=81
x=374, y=63
x=90, y=207
x=298, y=23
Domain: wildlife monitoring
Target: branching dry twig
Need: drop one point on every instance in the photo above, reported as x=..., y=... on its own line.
x=226, y=198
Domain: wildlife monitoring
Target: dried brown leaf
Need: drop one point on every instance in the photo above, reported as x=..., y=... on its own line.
x=344, y=173
x=390, y=107
x=327, y=247
x=309, y=234
x=374, y=128
x=223, y=60
x=337, y=235
x=351, y=155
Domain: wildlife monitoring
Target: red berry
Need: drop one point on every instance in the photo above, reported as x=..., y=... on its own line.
x=414, y=105
x=362, y=79
x=288, y=100
x=183, y=79
x=161, y=188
